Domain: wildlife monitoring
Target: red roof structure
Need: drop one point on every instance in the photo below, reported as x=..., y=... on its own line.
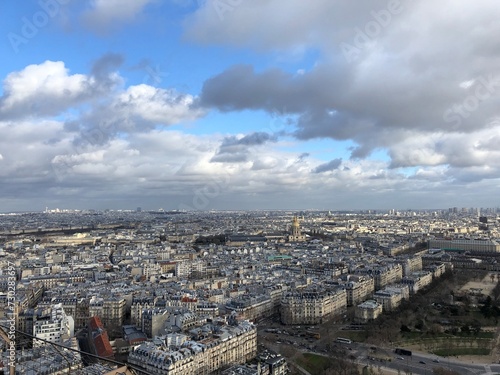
x=100, y=338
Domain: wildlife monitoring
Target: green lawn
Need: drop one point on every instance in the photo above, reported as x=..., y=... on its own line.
x=359, y=336
x=412, y=335
x=481, y=335
x=313, y=363
x=462, y=351
x=420, y=335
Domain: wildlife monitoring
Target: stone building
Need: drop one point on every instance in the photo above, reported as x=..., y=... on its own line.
x=368, y=310
x=227, y=345
x=312, y=307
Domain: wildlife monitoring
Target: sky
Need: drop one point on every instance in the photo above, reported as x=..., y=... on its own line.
x=249, y=104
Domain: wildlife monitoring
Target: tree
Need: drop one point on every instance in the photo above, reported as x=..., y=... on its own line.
x=496, y=291
x=405, y=328
x=487, y=309
x=465, y=329
x=475, y=327
x=420, y=325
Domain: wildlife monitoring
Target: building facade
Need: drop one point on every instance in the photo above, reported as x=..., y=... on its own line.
x=473, y=245
x=312, y=307
x=231, y=345
x=368, y=310
x=56, y=327
x=417, y=281
x=359, y=288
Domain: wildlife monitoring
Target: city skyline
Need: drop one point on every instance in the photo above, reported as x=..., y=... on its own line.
x=242, y=105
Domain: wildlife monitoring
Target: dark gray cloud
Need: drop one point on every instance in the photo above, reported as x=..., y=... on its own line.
x=400, y=83
x=328, y=167
x=104, y=67
x=106, y=64
x=253, y=139
x=234, y=149
x=268, y=90
x=303, y=156
x=230, y=158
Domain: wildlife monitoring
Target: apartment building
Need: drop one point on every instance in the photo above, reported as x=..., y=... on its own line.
x=48, y=360
x=411, y=264
x=389, y=299
x=437, y=270
x=78, y=308
x=111, y=310
x=227, y=345
x=312, y=307
x=387, y=275
x=417, y=281
x=368, y=310
x=358, y=288
x=153, y=321
x=151, y=269
x=50, y=281
x=138, y=306
x=252, y=307
x=383, y=275
x=56, y=327
x=183, y=320
x=276, y=293
x=175, y=340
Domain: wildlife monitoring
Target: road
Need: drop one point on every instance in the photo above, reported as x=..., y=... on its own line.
x=414, y=363
x=362, y=353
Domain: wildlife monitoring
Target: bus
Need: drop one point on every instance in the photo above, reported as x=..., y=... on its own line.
x=343, y=340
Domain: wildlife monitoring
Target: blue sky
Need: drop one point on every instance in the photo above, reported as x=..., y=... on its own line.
x=236, y=104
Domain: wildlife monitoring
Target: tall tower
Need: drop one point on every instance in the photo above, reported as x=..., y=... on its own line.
x=295, y=234
x=295, y=227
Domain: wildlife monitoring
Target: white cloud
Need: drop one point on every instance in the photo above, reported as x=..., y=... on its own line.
x=105, y=15
x=152, y=165
x=157, y=105
x=458, y=150
x=175, y=168
x=48, y=89
x=44, y=89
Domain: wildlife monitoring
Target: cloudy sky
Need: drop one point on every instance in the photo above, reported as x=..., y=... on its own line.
x=249, y=104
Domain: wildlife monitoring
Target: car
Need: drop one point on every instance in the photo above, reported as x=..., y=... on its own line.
x=436, y=360
x=401, y=358
x=422, y=362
